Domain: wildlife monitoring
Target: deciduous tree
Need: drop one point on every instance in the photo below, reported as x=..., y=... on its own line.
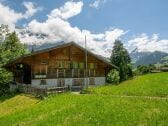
x=10, y=48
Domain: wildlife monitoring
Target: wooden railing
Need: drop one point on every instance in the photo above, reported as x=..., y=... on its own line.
x=68, y=73
x=57, y=90
x=26, y=88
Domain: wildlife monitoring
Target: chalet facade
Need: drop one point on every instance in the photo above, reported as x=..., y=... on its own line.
x=62, y=65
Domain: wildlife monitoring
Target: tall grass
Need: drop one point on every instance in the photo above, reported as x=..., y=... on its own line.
x=96, y=109
x=146, y=85
x=12, y=103
x=86, y=110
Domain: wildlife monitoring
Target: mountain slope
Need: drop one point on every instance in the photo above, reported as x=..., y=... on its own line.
x=146, y=58
x=152, y=58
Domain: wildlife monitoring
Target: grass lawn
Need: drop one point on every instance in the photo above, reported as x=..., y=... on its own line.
x=146, y=85
x=93, y=109
x=12, y=103
x=77, y=110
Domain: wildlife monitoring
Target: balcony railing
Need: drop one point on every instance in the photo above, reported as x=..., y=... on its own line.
x=67, y=73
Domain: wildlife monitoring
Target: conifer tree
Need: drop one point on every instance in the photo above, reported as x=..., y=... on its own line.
x=120, y=57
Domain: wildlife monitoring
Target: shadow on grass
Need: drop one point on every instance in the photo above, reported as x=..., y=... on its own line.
x=8, y=96
x=14, y=94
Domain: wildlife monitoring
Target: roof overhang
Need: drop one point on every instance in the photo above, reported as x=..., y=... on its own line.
x=57, y=47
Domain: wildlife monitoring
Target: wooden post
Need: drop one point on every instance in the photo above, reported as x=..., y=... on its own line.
x=72, y=73
x=64, y=73
x=86, y=80
x=46, y=69
x=57, y=73
x=78, y=73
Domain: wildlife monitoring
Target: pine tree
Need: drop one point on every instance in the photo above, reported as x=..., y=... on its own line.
x=120, y=57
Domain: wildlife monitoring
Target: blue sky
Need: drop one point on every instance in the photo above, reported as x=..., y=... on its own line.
x=137, y=22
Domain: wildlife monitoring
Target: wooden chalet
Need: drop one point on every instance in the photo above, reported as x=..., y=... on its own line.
x=62, y=65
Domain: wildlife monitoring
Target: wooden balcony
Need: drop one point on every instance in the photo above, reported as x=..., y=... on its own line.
x=67, y=73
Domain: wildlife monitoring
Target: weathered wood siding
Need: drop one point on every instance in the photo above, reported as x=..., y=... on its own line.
x=48, y=64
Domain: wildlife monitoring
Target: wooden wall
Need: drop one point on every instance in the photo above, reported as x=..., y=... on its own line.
x=48, y=61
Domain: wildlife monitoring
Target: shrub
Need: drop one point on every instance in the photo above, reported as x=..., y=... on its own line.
x=113, y=77
x=145, y=69
x=5, y=79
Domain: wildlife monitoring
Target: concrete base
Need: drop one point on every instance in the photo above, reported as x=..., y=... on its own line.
x=68, y=82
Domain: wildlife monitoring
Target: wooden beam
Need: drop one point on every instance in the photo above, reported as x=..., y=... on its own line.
x=57, y=73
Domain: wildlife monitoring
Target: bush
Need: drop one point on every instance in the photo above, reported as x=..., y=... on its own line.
x=113, y=77
x=145, y=69
x=5, y=79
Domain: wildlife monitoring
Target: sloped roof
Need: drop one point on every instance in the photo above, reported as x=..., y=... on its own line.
x=61, y=45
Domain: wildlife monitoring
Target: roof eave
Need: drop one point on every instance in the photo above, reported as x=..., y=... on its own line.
x=56, y=47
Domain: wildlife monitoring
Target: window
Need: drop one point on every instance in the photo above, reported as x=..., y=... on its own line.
x=81, y=65
x=60, y=83
x=78, y=82
x=61, y=64
x=40, y=70
x=75, y=65
x=52, y=73
x=91, y=65
x=43, y=68
x=67, y=64
x=68, y=73
x=92, y=73
x=75, y=73
x=43, y=82
x=61, y=73
x=19, y=66
x=81, y=73
x=91, y=81
x=95, y=65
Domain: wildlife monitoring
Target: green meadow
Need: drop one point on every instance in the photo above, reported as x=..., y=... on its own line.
x=103, y=106
x=145, y=85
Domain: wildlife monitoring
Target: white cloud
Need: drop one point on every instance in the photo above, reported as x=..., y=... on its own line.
x=60, y=30
x=11, y=17
x=8, y=15
x=96, y=4
x=31, y=9
x=70, y=9
x=57, y=28
x=145, y=43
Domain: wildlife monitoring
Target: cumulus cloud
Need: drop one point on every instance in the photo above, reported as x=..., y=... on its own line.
x=96, y=4
x=70, y=9
x=145, y=43
x=11, y=17
x=31, y=9
x=58, y=29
